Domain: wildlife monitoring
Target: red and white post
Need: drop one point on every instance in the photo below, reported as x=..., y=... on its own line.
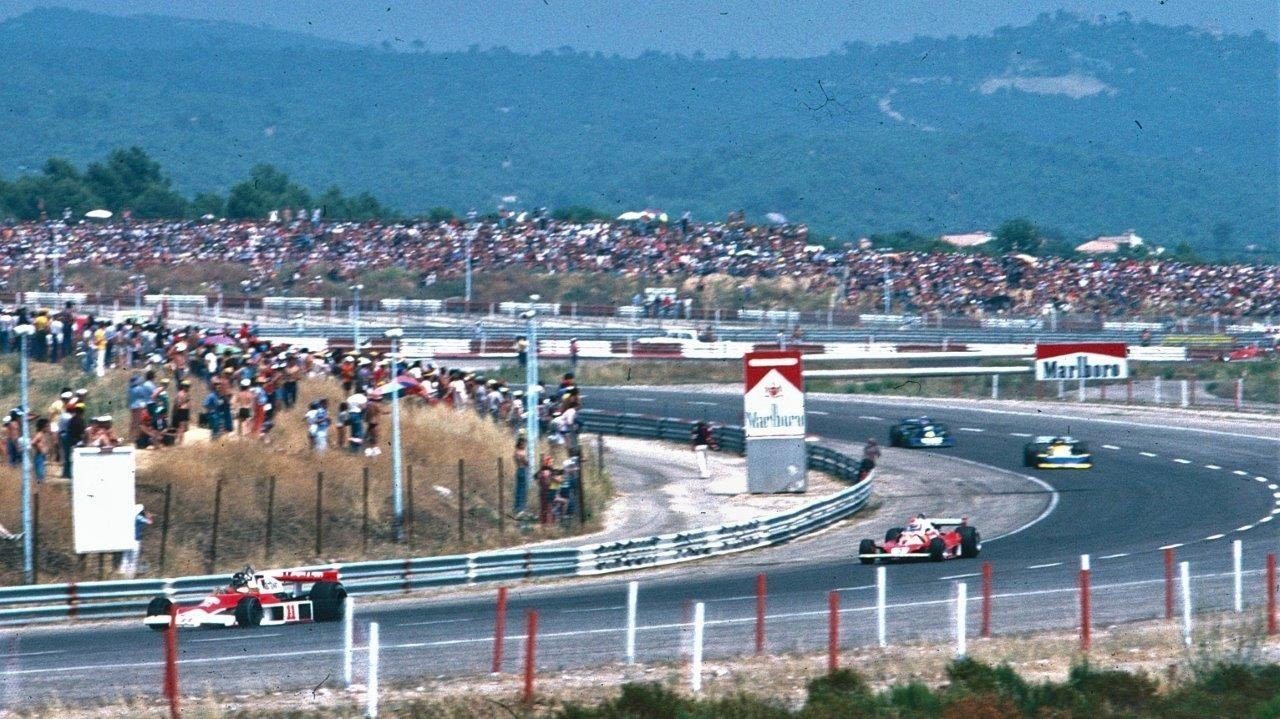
x=1271, y=593
x=833, y=631
x=1184, y=569
x=371, y=700
x=348, y=641
x=1168, y=582
x=530, y=651
x=1086, y=624
x=695, y=668
x=962, y=620
x=882, y=631
x=1237, y=574
x=499, y=629
x=761, y=594
x=986, y=600
x=172, y=692
x=633, y=599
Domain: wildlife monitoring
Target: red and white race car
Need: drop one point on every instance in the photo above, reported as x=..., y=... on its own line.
x=933, y=539
x=253, y=599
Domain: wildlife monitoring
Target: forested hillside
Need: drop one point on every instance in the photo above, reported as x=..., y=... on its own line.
x=1086, y=128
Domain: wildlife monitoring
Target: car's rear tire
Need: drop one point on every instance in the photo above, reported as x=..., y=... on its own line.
x=894, y=437
x=937, y=549
x=1028, y=458
x=893, y=534
x=249, y=612
x=327, y=599
x=158, y=607
x=970, y=542
x=867, y=546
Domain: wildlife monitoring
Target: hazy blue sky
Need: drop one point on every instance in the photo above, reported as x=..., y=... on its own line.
x=628, y=27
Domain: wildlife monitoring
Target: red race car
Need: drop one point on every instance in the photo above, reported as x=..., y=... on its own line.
x=254, y=599
x=923, y=538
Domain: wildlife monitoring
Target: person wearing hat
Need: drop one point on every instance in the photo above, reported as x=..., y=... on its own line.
x=573, y=353
x=129, y=558
x=242, y=404
x=54, y=414
x=102, y=434
x=72, y=435
x=13, y=436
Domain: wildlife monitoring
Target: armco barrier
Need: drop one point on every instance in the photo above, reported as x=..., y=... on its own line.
x=95, y=600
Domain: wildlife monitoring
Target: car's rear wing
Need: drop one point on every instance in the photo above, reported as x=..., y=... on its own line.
x=291, y=577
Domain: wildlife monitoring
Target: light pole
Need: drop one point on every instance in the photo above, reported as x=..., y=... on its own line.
x=888, y=284
x=467, y=292
x=531, y=387
x=397, y=489
x=25, y=331
x=355, y=315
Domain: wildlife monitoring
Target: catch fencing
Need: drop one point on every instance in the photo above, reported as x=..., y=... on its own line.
x=51, y=602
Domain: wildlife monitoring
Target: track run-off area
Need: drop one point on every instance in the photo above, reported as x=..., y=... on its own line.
x=1158, y=482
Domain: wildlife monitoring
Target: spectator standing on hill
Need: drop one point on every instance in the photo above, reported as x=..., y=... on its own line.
x=546, y=490
x=72, y=437
x=129, y=559
x=520, y=457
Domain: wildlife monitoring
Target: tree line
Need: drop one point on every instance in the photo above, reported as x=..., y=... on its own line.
x=129, y=179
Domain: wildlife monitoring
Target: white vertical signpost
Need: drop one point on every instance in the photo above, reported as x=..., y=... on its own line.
x=774, y=422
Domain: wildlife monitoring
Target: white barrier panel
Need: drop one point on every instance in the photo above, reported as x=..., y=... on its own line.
x=177, y=301
x=1158, y=354
x=291, y=303
x=53, y=299
x=1131, y=326
x=428, y=306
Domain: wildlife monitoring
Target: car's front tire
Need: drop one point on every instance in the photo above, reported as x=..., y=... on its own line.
x=867, y=546
x=249, y=612
x=327, y=599
x=159, y=607
x=937, y=549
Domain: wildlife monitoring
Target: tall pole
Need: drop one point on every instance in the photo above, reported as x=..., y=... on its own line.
x=397, y=486
x=470, y=234
x=28, y=538
x=355, y=316
x=531, y=393
x=887, y=291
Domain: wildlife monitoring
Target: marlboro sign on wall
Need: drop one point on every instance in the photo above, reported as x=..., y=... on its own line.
x=773, y=400
x=1082, y=361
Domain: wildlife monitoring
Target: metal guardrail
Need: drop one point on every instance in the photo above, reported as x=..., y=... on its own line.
x=97, y=600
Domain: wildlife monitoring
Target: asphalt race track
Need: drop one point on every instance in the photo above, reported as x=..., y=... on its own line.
x=1152, y=486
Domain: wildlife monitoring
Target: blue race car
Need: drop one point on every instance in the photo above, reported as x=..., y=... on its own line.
x=1057, y=453
x=920, y=432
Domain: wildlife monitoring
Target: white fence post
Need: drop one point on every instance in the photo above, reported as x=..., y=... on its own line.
x=1237, y=573
x=348, y=639
x=633, y=595
x=1239, y=394
x=995, y=386
x=962, y=615
x=1156, y=390
x=1080, y=392
x=371, y=707
x=1184, y=570
x=699, y=615
x=881, y=626
x=1186, y=402
x=1062, y=388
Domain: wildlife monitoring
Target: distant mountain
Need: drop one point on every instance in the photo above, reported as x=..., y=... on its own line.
x=1086, y=128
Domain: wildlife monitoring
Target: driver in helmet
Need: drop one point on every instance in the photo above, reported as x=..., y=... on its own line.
x=243, y=581
x=920, y=526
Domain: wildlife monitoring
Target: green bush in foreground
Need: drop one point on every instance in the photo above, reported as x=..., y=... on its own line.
x=975, y=691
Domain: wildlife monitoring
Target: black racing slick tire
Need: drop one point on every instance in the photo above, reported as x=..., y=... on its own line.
x=970, y=542
x=893, y=534
x=249, y=612
x=867, y=546
x=327, y=599
x=937, y=549
x=157, y=607
x=895, y=437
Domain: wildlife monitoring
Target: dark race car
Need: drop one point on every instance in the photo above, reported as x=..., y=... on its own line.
x=924, y=539
x=1057, y=453
x=920, y=432
x=253, y=599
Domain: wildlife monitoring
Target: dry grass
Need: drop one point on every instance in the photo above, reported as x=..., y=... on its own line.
x=434, y=441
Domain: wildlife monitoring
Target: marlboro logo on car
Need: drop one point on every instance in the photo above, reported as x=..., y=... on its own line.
x=1082, y=360
x=773, y=400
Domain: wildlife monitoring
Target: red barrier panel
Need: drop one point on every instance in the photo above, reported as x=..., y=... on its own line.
x=1168, y=583
x=1271, y=593
x=171, y=689
x=833, y=631
x=760, y=604
x=986, y=600
x=499, y=629
x=530, y=647
x=1086, y=629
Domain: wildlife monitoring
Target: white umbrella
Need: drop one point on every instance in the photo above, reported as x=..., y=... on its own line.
x=776, y=218
x=631, y=216
x=98, y=214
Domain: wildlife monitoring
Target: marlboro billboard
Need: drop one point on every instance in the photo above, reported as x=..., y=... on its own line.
x=773, y=401
x=1082, y=361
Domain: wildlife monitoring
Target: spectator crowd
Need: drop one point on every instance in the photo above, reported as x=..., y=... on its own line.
x=296, y=252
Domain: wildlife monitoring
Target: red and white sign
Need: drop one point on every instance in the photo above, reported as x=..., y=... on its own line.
x=1082, y=360
x=773, y=397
